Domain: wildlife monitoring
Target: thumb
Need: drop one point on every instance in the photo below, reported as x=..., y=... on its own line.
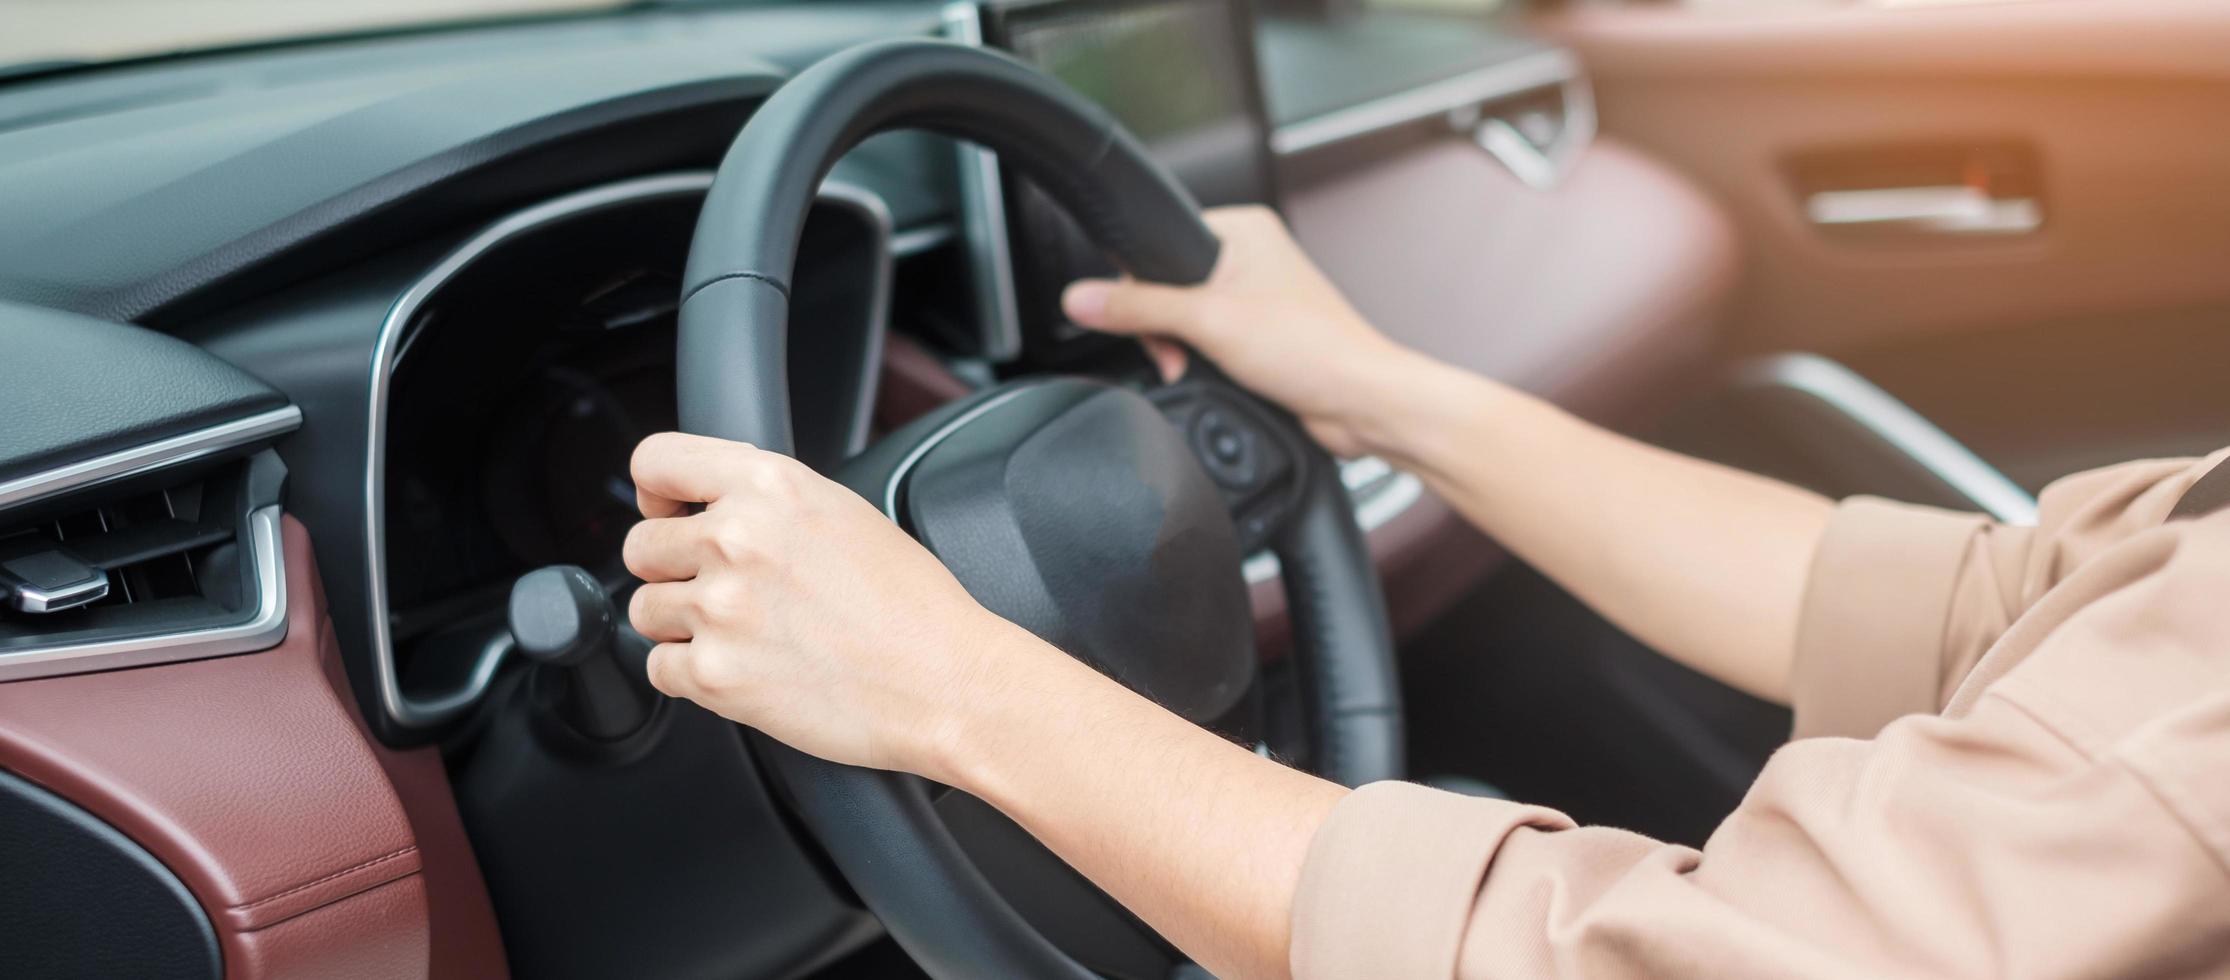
x=1128, y=306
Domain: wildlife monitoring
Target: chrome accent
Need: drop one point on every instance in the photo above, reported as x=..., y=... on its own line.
x=405, y=710
x=931, y=441
x=262, y=631
x=914, y=241
x=1945, y=210
x=423, y=712
x=1517, y=154
x=152, y=456
x=1379, y=492
x=1538, y=70
x=89, y=585
x=1542, y=167
x=1898, y=425
x=983, y=218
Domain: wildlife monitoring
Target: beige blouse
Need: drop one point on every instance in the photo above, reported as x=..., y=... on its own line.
x=2012, y=759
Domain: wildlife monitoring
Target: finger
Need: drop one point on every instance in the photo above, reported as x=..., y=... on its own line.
x=1131, y=307
x=1236, y=219
x=653, y=505
x=665, y=549
x=668, y=669
x=672, y=469
x=664, y=611
x=700, y=673
x=1168, y=357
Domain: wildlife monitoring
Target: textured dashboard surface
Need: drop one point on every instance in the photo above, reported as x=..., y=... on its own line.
x=131, y=189
x=79, y=387
x=163, y=191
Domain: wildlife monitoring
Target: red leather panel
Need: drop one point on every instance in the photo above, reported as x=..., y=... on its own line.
x=1601, y=295
x=356, y=939
x=913, y=383
x=466, y=943
x=253, y=779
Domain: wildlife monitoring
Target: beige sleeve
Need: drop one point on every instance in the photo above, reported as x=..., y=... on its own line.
x=1902, y=600
x=1987, y=846
x=2017, y=836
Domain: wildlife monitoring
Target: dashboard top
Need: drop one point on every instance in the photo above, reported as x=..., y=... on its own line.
x=131, y=189
x=164, y=191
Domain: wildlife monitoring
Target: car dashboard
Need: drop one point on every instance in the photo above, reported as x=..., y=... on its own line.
x=454, y=258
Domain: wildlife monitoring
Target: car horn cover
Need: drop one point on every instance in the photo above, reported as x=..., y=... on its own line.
x=1075, y=510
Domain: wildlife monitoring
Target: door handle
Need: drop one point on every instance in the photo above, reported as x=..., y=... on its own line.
x=1905, y=191
x=1955, y=209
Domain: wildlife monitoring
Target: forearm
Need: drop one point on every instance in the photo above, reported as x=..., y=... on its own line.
x=1703, y=562
x=1200, y=838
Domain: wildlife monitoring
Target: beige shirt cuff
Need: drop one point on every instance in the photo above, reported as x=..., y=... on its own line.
x=1398, y=846
x=1870, y=640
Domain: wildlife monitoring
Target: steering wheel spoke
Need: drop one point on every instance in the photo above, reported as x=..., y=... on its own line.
x=1255, y=452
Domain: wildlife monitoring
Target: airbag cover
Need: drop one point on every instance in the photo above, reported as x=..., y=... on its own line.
x=1075, y=510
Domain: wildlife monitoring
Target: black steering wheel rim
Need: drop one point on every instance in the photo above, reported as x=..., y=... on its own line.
x=878, y=827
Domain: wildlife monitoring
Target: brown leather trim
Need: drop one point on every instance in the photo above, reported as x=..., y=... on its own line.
x=325, y=890
x=466, y=942
x=913, y=383
x=251, y=777
x=1601, y=295
x=353, y=938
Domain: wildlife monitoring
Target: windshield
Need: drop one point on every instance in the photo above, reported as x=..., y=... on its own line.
x=39, y=31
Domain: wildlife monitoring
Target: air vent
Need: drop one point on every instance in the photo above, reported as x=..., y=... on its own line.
x=172, y=565
x=139, y=548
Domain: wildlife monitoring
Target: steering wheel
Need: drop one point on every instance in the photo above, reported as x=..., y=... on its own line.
x=1110, y=522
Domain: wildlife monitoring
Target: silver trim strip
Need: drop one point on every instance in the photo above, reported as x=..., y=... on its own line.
x=945, y=431
x=1940, y=210
x=1380, y=493
x=420, y=712
x=1538, y=70
x=1897, y=424
x=407, y=711
x=1542, y=168
x=266, y=629
x=983, y=218
x=914, y=241
x=151, y=456
x=1516, y=153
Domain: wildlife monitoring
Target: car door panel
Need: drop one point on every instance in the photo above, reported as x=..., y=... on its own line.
x=2117, y=105
x=1602, y=292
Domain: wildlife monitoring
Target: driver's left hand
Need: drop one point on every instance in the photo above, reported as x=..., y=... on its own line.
x=792, y=605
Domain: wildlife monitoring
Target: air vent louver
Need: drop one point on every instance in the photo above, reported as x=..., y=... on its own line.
x=145, y=545
x=177, y=563
x=153, y=554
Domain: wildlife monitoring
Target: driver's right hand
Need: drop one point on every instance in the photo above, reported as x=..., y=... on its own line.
x=1271, y=320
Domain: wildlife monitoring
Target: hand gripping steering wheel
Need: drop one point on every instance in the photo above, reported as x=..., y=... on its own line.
x=1110, y=522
